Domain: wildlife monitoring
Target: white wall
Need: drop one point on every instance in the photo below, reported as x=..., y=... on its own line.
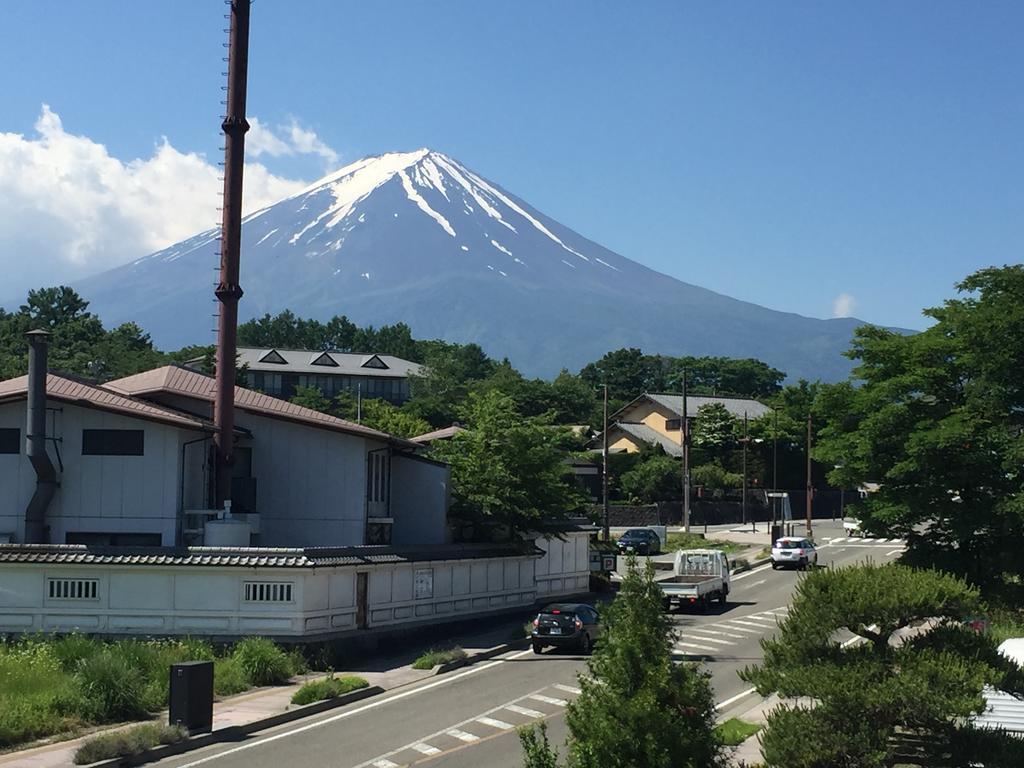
x=97, y=494
x=565, y=567
x=419, y=501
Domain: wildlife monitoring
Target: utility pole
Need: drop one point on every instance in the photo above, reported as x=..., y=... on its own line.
x=775, y=464
x=684, y=438
x=229, y=291
x=746, y=439
x=604, y=472
x=810, y=489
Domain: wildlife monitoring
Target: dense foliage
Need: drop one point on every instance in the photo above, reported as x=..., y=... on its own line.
x=638, y=708
x=937, y=419
x=912, y=665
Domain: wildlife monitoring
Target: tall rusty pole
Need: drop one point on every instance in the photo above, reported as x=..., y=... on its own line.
x=684, y=438
x=604, y=471
x=810, y=488
x=228, y=289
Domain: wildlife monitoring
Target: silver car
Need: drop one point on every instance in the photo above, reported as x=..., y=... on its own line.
x=794, y=552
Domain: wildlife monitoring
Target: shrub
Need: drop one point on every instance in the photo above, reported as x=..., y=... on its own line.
x=436, y=656
x=734, y=731
x=740, y=564
x=114, y=689
x=263, y=662
x=229, y=677
x=328, y=688
x=72, y=649
x=131, y=741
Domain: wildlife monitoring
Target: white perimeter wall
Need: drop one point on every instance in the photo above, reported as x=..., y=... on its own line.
x=97, y=494
x=565, y=567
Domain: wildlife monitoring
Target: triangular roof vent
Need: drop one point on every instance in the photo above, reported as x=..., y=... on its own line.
x=324, y=359
x=273, y=356
x=373, y=361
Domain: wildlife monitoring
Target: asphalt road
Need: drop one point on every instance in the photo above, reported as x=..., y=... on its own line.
x=468, y=718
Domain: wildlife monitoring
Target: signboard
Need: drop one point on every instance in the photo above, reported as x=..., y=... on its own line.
x=423, y=583
x=608, y=562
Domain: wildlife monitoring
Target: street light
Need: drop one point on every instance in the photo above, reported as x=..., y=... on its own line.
x=604, y=470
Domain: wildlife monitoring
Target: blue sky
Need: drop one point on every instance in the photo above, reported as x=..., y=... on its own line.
x=783, y=153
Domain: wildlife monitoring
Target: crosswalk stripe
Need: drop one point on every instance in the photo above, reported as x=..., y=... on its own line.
x=382, y=763
x=745, y=623
x=741, y=629
x=870, y=541
x=426, y=749
x=567, y=688
x=714, y=632
x=501, y=724
x=523, y=710
x=715, y=640
x=462, y=735
x=698, y=647
x=837, y=541
x=548, y=699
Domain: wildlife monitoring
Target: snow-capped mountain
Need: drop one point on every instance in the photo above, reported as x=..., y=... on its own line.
x=418, y=237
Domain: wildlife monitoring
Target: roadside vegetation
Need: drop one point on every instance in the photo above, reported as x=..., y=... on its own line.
x=130, y=741
x=329, y=687
x=57, y=685
x=734, y=731
x=637, y=707
x=436, y=656
x=696, y=541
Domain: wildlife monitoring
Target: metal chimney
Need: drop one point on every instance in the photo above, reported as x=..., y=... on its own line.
x=229, y=291
x=35, y=439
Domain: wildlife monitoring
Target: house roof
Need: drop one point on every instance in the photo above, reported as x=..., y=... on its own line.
x=648, y=435
x=326, y=362
x=737, y=406
x=177, y=380
x=438, y=434
x=252, y=557
x=76, y=392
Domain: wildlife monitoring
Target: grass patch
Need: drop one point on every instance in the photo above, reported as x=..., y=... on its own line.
x=329, y=688
x=696, y=541
x=436, y=656
x=131, y=741
x=1004, y=624
x=58, y=685
x=734, y=731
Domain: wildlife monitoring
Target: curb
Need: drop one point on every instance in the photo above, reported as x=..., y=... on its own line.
x=490, y=653
x=237, y=732
x=754, y=565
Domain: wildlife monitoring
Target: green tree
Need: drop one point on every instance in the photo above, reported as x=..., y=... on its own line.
x=508, y=473
x=313, y=398
x=715, y=477
x=913, y=666
x=638, y=708
x=937, y=418
x=627, y=372
x=659, y=478
x=714, y=431
x=384, y=416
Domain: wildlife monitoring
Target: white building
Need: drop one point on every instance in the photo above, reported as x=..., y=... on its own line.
x=334, y=528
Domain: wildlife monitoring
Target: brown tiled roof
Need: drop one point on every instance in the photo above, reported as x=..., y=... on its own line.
x=438, y=434
x=252, y=557
x=176, y=380
x=80, y=393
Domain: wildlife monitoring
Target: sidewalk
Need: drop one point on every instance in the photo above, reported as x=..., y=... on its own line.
x=386, y=672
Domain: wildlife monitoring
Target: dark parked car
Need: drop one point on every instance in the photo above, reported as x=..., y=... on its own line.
x=643, y=541
x=566, y=625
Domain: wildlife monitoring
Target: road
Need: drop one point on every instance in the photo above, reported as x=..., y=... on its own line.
x=468, y=718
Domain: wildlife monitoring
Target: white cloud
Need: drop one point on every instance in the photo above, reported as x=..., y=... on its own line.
x=71, y=209
x=290, y=139
x=844, y=305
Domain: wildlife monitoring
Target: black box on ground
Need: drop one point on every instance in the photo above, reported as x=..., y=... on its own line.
x=191, y=699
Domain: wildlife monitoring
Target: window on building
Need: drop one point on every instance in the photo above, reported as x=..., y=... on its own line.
x=374, y=362
x=10, y=440
x=112, y=442
x=274, y=357
x=73, y=589
x=672, y=424
x=268, y=591
x=378, y=533
x=377, y=477
x=96, y=539
x=325, y=359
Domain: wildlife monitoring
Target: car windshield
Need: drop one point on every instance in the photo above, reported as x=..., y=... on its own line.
x=633, y=535
x=787, y=543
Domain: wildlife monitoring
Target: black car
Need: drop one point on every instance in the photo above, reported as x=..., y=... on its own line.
x=566, y=625
x=643, y=541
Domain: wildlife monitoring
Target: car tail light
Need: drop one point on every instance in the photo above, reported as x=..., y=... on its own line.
x=693, y=599
x=556, y=611
x=579, y=624
x=536, y=622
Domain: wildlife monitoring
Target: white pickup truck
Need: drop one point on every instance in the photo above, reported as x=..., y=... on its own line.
x=698, y=576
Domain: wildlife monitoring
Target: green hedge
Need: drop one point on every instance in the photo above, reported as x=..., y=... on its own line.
x=329, y=688
x=130, y=741
x=436, y=656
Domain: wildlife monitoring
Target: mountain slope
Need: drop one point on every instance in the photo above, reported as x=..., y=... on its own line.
x=419, y=238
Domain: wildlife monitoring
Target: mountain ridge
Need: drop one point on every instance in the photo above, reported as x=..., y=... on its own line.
x=418, y=237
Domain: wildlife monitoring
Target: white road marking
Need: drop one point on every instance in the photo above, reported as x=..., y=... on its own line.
x=737, y=697
x=715, y=640
x=426, y=749
x=548, y=699
x=837, y=541
x=385, y=764
x=893, y=552
x=567, y=688
x=783, y=609
x=462, y=735
x=743, y=623
x=715, y=632
x=444, y=680
x=755, y=571
x=698, y=647
x=871, y=541
x=523, y=710
x=756, y=583
x=740, y=629
x=500, y=724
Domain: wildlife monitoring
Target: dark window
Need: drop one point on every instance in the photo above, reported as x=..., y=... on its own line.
x=10, y=440
x=671, y=424
x=112, y=442
x=273, y=356
x=92, y=539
